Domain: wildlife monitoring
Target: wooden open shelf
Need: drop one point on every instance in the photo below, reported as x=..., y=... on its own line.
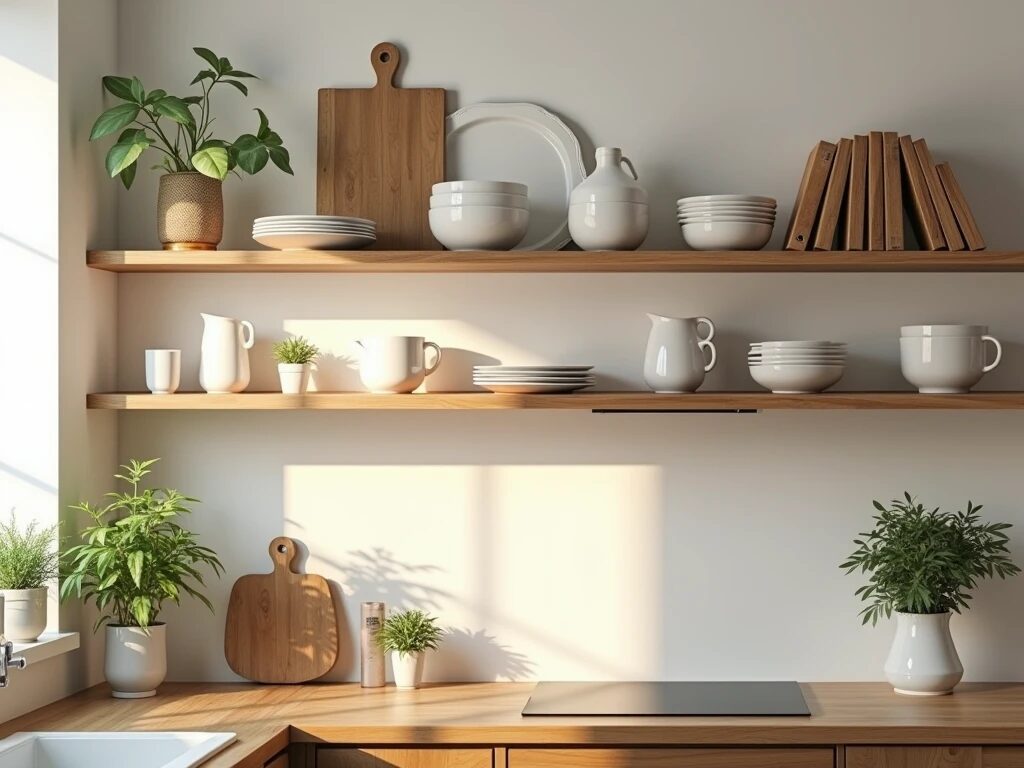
x=556, y=261
x=585, y=401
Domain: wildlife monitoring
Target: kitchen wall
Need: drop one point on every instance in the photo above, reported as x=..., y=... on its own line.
x=572, y=545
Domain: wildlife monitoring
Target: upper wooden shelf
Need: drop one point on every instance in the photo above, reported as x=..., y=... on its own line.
x=557, y=261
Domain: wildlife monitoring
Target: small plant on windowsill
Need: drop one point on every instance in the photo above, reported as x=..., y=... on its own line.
x=29, y=560
x=295, y=358
x=408, y=635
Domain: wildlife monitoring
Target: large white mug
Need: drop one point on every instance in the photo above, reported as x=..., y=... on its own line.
x=946, y=359
x=163, y=371
x=395, y=364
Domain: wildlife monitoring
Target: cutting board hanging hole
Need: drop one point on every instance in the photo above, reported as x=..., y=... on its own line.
x=385, y=58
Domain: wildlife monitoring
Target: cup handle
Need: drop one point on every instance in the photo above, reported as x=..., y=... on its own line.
x=629, y=164
x=437, y=360
x=248, y=342
x=706, y=342
x=999, y=353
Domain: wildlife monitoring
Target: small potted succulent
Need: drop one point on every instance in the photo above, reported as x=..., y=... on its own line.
x=408, y=635
x=28, y=561
x=190, y=206
x=295, y=357
x=923, y=566
x=135, y=557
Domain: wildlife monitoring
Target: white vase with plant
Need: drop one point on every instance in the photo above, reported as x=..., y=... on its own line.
x=923, y=565
x=295, y=357
x=408, y=635
x=133, y=559
x=29, y=560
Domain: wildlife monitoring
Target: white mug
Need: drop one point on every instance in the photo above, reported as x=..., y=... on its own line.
x=395, y=364
x=945, y=364
x=163, y=370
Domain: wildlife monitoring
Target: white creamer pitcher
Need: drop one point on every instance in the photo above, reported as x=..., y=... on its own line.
x=675, y=353
x=224, y=358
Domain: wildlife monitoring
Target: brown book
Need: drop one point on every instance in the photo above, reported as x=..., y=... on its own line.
x=828, y=219
x=943, y=211
x=856, y=196
x=808, y=196
x=923, y=216
x=893, y=191
x=876, y=194
x=961, y=210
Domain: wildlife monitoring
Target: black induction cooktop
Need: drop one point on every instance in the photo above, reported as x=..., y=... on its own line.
x=668, y=698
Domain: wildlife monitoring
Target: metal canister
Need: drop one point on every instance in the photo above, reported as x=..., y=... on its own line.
x=371, y=668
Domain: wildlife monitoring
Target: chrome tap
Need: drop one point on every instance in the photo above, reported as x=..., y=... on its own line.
x=9, y=661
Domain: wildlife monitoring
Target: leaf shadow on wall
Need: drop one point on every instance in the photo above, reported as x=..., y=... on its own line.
x=470, y=656
x=312, y=603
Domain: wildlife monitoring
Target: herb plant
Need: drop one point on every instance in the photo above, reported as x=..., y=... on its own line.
x=297, y=350
x=409, y=632
x=135, y=556
x=29, y=557
x=926, y=561
x=186, y=142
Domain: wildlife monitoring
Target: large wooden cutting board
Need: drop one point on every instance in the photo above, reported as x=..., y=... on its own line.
x=379, y=150
x=281, y=626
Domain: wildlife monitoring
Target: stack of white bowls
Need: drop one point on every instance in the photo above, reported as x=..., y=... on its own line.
x=479, y=215
x=726, y=222
x=533, y=379
x=797, y=367
x=308, y=232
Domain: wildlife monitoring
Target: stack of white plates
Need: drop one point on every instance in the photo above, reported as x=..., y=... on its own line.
x=797, y=367
x=726, y=222
x=479, y=215
x=533, y=379
x=326, y=233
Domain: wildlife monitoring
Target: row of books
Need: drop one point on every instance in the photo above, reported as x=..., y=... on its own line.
x=853, y=194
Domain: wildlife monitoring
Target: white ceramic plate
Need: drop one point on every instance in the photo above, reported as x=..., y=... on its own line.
x=533, y=389
x=533, y=379
x=798, y=344
x=312, y=218
x=312, y=228
x=310, y=231
x=314, y=241
x=507, y=368
x=735, y=217
x=523, y=143
x=507, y=376
x=727, y=198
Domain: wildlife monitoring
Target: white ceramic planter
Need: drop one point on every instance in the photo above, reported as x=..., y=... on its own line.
x=408, y=669
x=24, y=614
x=294, y=377
x=923, y=660
x=135, y=663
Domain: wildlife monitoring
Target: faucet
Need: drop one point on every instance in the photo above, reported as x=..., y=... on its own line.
x=9, y=661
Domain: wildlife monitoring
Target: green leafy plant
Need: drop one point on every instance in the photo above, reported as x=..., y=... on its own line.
x=926, y=561
x=297, y=350
x=29, y=557
x=409, y=632
x=186, y=142
x=135, y=556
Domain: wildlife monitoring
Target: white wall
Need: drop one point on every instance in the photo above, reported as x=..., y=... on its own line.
x=571, y=545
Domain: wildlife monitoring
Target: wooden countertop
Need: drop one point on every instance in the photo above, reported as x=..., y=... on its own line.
x=266, y=718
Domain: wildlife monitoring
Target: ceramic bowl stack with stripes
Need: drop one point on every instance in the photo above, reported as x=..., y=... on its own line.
x=533, y=379
x=314, y=233
x=797, y=367
x=726, y=222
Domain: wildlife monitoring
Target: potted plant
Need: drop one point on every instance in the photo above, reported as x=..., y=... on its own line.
x=28, y=560
x=190, y=206
x=295, y=357
x=133, y=558
x=408, y=635
x=923, y=566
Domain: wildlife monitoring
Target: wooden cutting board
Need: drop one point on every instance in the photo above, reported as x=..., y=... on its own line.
x=379, y=150
x=281, y=626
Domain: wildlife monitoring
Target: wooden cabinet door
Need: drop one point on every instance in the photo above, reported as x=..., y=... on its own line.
x=281, y=761
x=331, y=757
x=935, y=757
x=672, y=758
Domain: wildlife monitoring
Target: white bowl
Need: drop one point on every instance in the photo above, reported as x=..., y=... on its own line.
x=479, y=227
x=505, y=187
x=725, y=211
x=479, y=198
x=608, y=226
x=312, y=241
x=715, y=207
x=312, y=219
x=796, y=379
x=727, y=235
x=727, y=199
x=799, y=343
x=725, y=217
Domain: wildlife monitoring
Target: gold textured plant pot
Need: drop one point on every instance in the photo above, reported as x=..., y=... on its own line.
x=190, y=212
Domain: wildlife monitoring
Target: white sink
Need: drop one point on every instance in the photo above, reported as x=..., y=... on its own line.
x=110, y=750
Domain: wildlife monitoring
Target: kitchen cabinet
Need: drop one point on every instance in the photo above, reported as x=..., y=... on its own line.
x=330, y=757
x=935, y=757
x=281, y=761
x=809, y=757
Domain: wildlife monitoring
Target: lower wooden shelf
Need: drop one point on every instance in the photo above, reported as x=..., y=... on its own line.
x=586, y=401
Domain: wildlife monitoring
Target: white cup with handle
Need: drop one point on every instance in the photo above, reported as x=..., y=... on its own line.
x=395, y=364
x=946, y=359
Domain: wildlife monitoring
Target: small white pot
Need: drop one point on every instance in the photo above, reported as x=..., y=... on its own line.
x=24, y=614
x=408, y=668
x=923, y=660
x=294, y=377
x=135, y=663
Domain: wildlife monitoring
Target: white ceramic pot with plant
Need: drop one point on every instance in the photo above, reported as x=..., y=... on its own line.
x=923, y=565
x=134, y=557
x=29, y=560
x=408, y=635
x=295, y=358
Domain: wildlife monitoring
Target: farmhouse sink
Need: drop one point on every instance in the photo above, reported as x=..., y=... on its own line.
x=110, y=750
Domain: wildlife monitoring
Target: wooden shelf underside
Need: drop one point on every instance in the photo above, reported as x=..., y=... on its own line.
x=556, y=261
x=586, y=401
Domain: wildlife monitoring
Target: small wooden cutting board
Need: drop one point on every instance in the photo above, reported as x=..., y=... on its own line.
x=281, y=626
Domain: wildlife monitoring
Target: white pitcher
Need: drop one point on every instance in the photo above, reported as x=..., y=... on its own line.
x=675, y=353
x=224, y=360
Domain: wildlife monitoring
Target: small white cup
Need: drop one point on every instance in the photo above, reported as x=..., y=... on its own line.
x=163, y=370
x=946, y=364
x=395, y=364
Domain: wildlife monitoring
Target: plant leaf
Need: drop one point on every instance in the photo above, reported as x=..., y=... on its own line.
x=155, y=95
x=138, y=94
x=205, y=74
x=280, y=157
x=238, y=85
x=209, y=57
x=252, y=155
x=176, y=109
x=212, y=162
x=135, y=560
x=127, y=176
x=123, y=154
x=114, y=119
x=240, y=73
x=119, y=86
x=264, y=130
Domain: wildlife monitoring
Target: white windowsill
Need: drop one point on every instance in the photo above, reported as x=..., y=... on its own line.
x=47, y=646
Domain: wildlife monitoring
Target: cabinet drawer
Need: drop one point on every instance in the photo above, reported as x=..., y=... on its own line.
x=671, y=758
x=335, y=757
x=935, y=757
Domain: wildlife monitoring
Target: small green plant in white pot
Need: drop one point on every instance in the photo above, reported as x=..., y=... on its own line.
x=408, y=635
x=28, y=561
x=295, y=357
x=134, y=558
x=923, y=566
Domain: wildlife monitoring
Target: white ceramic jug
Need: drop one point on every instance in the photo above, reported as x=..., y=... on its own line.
x=608, y=210
x=675, y=353
x=224, y=358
